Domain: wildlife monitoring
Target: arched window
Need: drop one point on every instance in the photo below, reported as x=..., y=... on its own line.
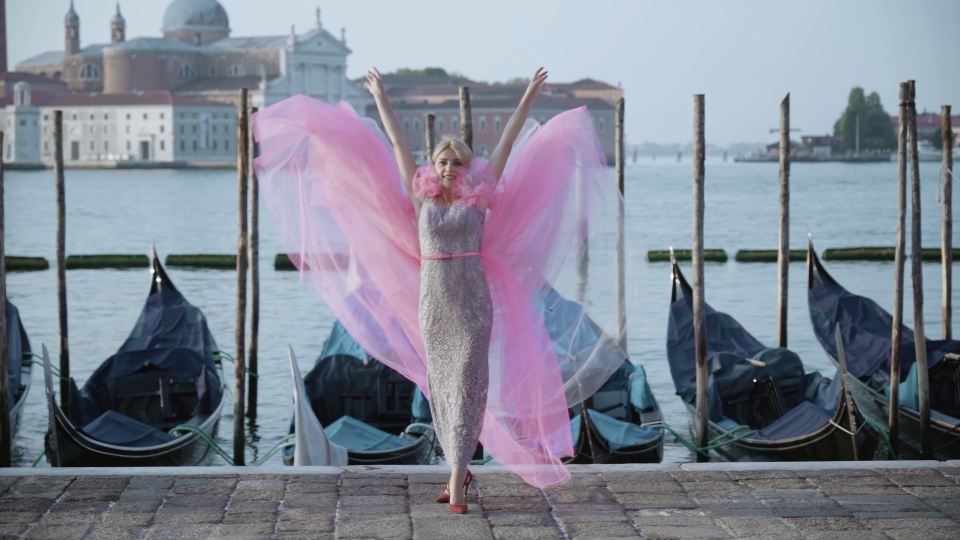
x=483, y=123
x=89, y=72
x=496, y=123
x=187, y=72
x=406, y=124
x=416, y=125
x=213, y=71
x=454, y=123
x=603, y=125
x=235, y=70
x=439, y=124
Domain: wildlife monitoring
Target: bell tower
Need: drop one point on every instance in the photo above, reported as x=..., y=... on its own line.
x=118, y=27
x=71, y=26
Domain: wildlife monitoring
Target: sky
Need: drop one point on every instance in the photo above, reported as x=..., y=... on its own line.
x=745, y=56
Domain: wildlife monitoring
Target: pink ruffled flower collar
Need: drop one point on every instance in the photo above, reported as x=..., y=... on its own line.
x=473, y=187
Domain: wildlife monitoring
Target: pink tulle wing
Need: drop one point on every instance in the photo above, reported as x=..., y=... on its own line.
x=335, y=195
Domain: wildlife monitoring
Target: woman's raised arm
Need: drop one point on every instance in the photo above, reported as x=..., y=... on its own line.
x=498, y=159
x=408, y=166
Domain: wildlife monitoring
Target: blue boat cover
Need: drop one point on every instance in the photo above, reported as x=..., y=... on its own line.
x=641, y=396
x=559, y=316
x=618, y=434
x=114, y=428
x=800, y=420
x=170, y=338
x=865, y=330
x=353, y=434
x=17, y=344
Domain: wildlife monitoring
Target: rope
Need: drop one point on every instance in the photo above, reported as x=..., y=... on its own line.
x=714, y=444
x=883, y=433
x=220, y=355
x=183, y=428
x=55, y=371
x=38, y=458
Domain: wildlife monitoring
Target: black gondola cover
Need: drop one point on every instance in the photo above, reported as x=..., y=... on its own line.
x=16, y=345
x=171, y=339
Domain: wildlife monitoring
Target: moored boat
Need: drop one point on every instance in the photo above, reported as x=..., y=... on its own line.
x=763, y=405
x=154, y=402
x=865, y=331
x=19, y=366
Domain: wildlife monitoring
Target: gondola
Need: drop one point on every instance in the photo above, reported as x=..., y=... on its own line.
x=165, y=375
x=865, y=330
x=762, y=395
x=616, y=423
x=364, y=406
x=19, y=365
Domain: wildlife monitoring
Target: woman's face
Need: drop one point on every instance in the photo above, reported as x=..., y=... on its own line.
x=448, y=166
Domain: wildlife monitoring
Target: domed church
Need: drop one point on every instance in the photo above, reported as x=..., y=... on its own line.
x=198, y=57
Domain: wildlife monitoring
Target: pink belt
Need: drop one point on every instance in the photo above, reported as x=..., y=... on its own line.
x=448, y=255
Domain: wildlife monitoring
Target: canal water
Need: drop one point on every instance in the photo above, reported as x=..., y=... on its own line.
x=194, y=211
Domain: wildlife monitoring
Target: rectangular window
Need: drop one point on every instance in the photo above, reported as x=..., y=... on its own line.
x=161, y=116
x=496, y=124
x=91, y=146
x=106, y=129
x=440, y=124
x=45, y=129
x=92, y=129
x=194, y=128
x=406, y=124
x=226, y=145
x=162, y=145
x=128, y=116
x=106, y=146
x=128, y=129
x=128, y=146
x=183, y=144
x=214, y=144
x=453, y=124
x=181, y=128
x=46, y=146
x=194, y=144
x=161, y=128
x=106, y=117
x=483, y=124
x=416, y=125
x=144, y=116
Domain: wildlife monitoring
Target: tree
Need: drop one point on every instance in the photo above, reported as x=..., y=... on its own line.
x=937, y=139
x=876, y=131
x=435, y=71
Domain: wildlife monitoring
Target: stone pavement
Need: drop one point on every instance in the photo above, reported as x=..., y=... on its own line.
x=867, y=500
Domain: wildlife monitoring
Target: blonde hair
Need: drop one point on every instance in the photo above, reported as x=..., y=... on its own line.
x=459, y=148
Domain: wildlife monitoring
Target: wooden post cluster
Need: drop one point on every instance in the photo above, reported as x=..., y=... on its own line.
x=466, y=117
x=699, y=314
x=430, y=142
x=893, y=420
x=5, y=434
x=243, y=168
x=783, y=254
x=923, y=376
x=621, y=272
x=946, y=237
x=253, y=343
x=61, y=259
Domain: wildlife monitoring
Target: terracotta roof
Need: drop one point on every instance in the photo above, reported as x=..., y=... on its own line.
x=152, y=44
x=44, y=59
x=589, y=84
x=220, y=82
x=247, y=43
x=13, y=77
x=542, y=102
x=99, y=99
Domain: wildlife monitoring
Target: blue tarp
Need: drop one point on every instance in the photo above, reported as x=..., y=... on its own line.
x=353, y=434
x=800, y=420
x=114, y=428
x=170, y=338
x=17, y=344
x=618, y=434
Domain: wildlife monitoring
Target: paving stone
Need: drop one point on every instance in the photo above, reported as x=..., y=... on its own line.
x=73, y=494
x=109, y=532
x=196, y=502
x=25, y=505
x=351, y=474
x=928, y=534
x=794, y=510
x=584, y=495
x=934, y=492
x=376, y=490
x=762, y=474
x=51, y=481
x=310, y=487
x=510, y=490
x=515, y=505
x=309, y=499
x=144, y=504
x=599, y=529
x=206, y=486
x=701, y=476
x=97, y=483
x=33, y=491
x=636, y=501
x=649, y=487
x=184, y=531
x=304, y=536
x=826, y=523
x=58, y=532
x=428, y=477
x=9, y=530
x=19, y=518
x=526, y=533
x=151, y=483
x=846, y=535
x=385, y=527
x=672, y=533
x=127, y=519
x=586, y=479
x=315, y=524
x=520, y=519
x=244, y=530
x=636, y=476
x=786, y=494
x=749, y=510
x=743, y=526
x=451, y=527
x=259, y=490
x=777, y=483
x=169, y=516
x=917, y=524
x=692, y=519
x=75, y=513
x=835, y=473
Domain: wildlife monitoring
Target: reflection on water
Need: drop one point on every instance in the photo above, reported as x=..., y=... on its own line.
x=195, y=212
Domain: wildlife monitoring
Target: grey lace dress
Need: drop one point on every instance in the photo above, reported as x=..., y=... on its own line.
x=455, y=317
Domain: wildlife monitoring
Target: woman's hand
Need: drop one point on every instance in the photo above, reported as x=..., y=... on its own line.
x=374, y=84
x=538, y=81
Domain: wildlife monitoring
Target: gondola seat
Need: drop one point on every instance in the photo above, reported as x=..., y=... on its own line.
x=800, y=420
x=355, y=435
x=162, y=399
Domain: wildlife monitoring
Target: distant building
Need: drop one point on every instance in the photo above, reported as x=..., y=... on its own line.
x=822, y=146
x=414, y=96
x=197, y=56
x=165, y=99
x=928, y=124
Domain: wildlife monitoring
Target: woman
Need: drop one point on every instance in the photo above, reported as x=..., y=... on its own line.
x=456, y=312
x=437, y=271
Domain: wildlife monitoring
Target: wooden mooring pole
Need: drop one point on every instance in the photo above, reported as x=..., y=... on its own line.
x=621, y=257
x=783, y=254
x=243, y=168
x=5, y=404
x=923, y=376
x=61, y=260
x=429, y=135
x=466, y=117
x=253, y=342
x=893, y=418
x=699, y=315
x=946, y=237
